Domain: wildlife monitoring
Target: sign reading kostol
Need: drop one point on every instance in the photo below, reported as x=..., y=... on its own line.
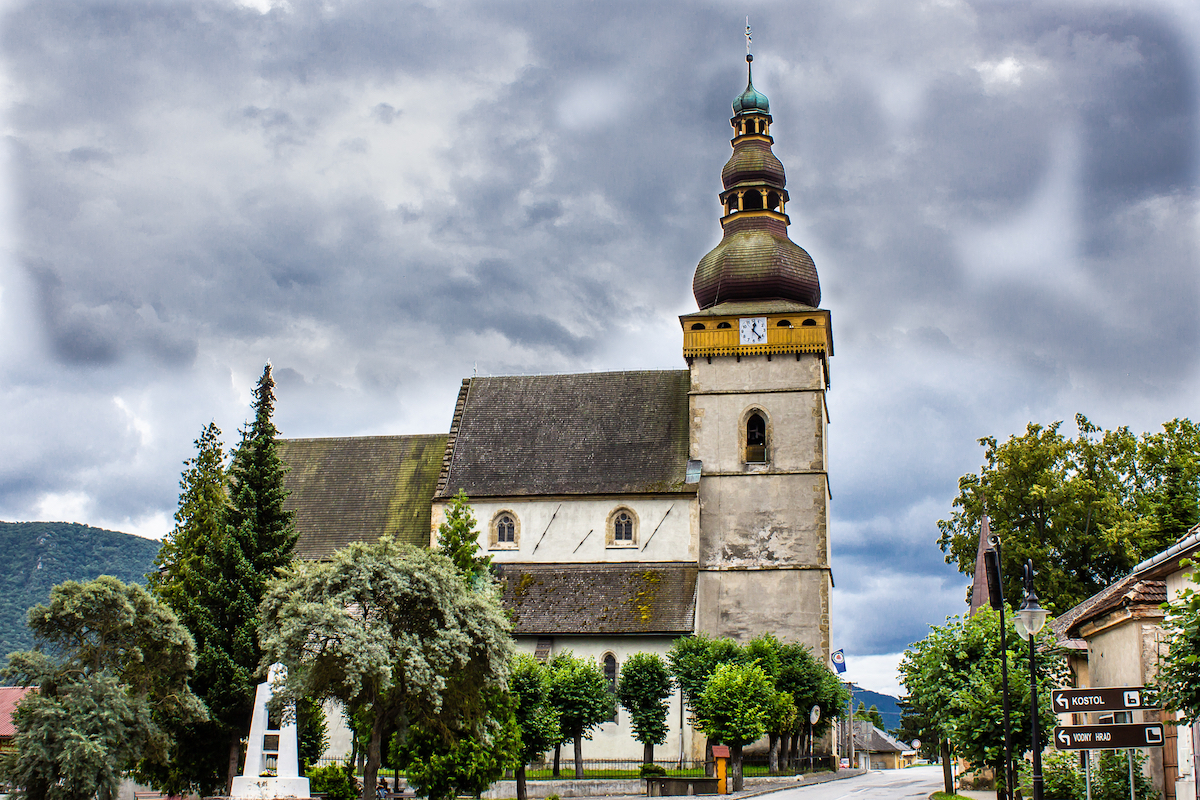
x=1118, y=736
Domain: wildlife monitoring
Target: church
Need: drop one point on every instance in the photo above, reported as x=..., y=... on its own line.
x=625, y=509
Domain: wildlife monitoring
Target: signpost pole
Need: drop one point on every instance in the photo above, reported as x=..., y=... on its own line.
x=1087, y=772
x=1132, y=794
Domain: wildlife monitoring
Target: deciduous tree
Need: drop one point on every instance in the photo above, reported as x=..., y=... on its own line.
x=393, y=632
x=734, y=709
x=537, y=718
x=1085, y=509
x=643, y=689
x=1178, y=676
x=111, y=664
x=954, y=687
x=583, y=698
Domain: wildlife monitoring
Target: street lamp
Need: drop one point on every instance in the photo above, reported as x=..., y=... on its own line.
x=1030, y=618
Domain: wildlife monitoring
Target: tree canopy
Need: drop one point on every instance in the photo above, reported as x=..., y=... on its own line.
x=953, y=678
x=393, y=632
x=580, y=692
x=643, y=689
x=111, y=664
x=735, y=708
x=537, y=718
x=1085, y=509
x=458, y=540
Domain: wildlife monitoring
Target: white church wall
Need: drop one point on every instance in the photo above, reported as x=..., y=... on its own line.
x=576, y=530
x=614, y=740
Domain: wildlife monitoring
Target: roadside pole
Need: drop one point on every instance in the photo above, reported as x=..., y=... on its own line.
x=1087, y=772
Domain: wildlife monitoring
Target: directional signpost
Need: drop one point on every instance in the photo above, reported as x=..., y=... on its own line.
x=1108, y=698
x=1109, y=737
x=1119, y=736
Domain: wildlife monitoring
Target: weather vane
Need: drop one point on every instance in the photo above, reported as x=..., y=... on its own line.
x=747, y=36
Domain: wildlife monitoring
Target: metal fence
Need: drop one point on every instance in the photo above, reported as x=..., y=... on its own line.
x=611, y=768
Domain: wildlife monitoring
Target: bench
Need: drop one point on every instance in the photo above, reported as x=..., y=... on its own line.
x=671, y=786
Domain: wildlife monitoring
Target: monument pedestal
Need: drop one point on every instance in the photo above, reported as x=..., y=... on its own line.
x=247, y=788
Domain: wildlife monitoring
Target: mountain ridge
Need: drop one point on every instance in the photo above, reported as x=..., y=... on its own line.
x=40, y=555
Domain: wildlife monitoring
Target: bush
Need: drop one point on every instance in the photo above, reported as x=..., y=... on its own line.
x=1063, y=778
x=652, y=770
x=334, y=782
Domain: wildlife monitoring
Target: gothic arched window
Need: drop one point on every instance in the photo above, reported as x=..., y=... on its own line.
x=610, y=677
x=622, y=528
x=505, y=531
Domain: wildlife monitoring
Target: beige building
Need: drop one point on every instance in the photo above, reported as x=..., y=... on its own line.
x=1116, y=638
x=625, y=509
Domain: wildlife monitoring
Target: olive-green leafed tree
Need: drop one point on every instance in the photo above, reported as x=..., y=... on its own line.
x=468, y=746
x=1086, y=509
x=112, y=666
x=580, y=692
x=394, y=633
x=537, y=718
x=734, y=709
x=643, y=689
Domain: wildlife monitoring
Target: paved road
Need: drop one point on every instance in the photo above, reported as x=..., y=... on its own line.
x=915, y=783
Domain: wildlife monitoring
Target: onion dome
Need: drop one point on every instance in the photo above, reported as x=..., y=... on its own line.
x=751, y=99
x=755, y=259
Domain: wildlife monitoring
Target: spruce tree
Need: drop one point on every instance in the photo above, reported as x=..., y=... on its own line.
x=226, y=546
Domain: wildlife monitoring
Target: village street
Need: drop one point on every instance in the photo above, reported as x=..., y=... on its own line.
x=915, y=783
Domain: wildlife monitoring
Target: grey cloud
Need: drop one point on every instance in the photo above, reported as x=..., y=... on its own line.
x=194, y=195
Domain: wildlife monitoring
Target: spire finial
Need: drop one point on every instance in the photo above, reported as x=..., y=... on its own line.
x=749, y=57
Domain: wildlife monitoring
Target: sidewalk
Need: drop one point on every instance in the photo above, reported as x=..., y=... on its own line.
x=599, y=789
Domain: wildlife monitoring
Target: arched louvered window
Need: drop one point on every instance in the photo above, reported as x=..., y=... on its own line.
x=756, y=439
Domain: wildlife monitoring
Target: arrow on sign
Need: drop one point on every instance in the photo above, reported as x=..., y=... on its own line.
x=1064, y=739
x=1061, y=701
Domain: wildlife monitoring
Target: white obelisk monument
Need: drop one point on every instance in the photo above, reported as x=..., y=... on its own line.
x=272, y=770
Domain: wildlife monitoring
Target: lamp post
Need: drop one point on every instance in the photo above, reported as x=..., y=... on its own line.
x=1030, y=618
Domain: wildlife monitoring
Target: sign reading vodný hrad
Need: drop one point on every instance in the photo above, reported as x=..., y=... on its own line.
x=1106, y=698
x=1109, y=737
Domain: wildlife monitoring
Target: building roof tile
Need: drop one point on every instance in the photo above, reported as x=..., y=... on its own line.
x=9, y=697
x=587, y=433
x=631, y=598
x=359, y=488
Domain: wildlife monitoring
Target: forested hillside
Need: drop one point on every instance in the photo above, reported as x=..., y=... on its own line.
x=35, y=556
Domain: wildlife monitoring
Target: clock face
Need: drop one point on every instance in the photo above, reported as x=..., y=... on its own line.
x=753, y=330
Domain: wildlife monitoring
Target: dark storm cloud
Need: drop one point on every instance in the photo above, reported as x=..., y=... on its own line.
x=384, y=197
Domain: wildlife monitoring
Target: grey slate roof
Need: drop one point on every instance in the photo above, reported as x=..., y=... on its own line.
x=631, y=598
x=588, y=433
x=358, y=488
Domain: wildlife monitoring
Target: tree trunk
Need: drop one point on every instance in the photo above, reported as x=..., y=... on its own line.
x=557, y=759
x=947, y=769
x=235, y=755
x=647, y=752
x=579, y=755
x=520, y=775
x=735, y=756
x=374, y=753
x=773, y=754
x=709, y=764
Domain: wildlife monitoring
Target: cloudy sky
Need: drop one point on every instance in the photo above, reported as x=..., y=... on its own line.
x=382, y=197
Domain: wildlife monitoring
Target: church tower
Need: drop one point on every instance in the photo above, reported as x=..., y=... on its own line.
x=758, y=351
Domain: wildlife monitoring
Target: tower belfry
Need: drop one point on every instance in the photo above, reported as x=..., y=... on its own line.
x=758, y=351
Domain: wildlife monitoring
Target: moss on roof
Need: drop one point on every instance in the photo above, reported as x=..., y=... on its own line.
x=354, y=489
